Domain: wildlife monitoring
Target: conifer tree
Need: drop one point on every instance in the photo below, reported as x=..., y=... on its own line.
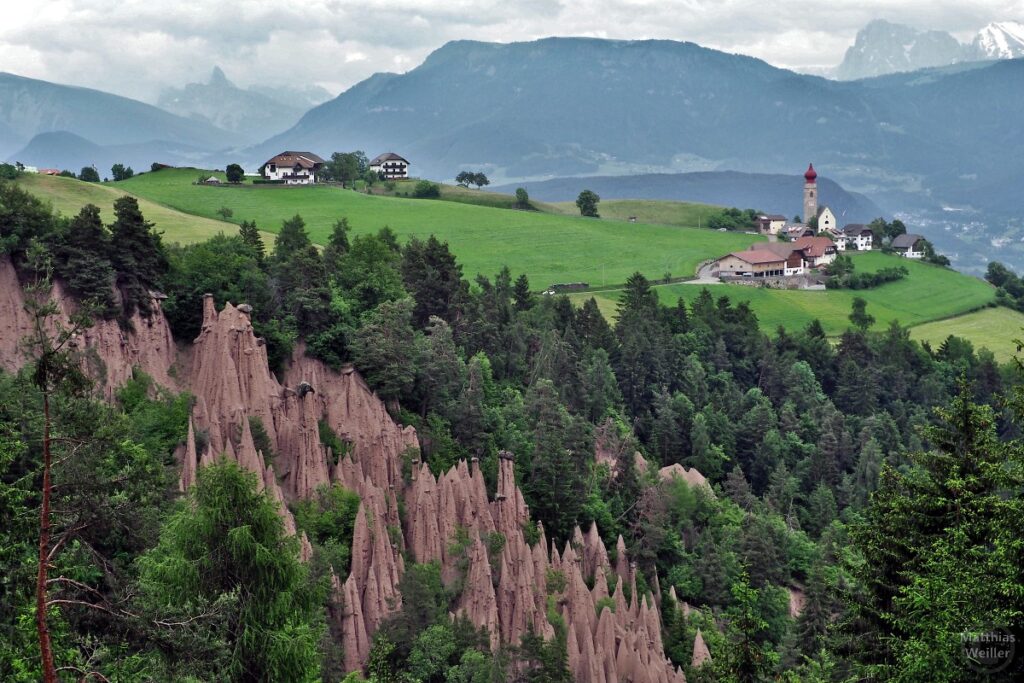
x=82, y=252
x=225, y=568
x=250, y=235
x=138, y=255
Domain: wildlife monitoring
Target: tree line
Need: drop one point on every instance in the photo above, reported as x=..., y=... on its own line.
x=877, y=476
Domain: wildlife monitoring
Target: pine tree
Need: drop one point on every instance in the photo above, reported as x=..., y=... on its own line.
x=225, y=566
x=748, y=659
x=138, y=255
x=250, y=235
x=82, y=253
x=292, y=239
x=555, y=484
x=522, y=295
x=434, y=279
x=337, y=246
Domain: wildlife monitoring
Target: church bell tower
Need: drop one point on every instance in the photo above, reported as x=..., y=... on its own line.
x=810, y=194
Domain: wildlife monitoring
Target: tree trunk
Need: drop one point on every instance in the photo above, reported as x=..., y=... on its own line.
x=45, y=647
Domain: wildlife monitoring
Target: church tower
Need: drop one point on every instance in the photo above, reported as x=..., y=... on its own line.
x=810, y=194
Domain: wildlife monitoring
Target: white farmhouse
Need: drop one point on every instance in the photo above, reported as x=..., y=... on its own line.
x=909, y=246
x=293, y=168
x=390, y=166
x=858, y=236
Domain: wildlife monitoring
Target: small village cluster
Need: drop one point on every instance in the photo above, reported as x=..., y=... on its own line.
x=810, y=245
x=300, y=168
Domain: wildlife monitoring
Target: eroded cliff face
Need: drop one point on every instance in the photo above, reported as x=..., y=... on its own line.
x=110, y=352
x=507, y=585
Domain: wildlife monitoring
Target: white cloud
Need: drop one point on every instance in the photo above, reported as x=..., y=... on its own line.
x=138, y=47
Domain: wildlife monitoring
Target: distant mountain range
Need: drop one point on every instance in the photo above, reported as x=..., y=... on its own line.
x=922, y=142
x=573, y=106
x=253, y=114
x=883, y=48
x=774, y=193
x=30, y=107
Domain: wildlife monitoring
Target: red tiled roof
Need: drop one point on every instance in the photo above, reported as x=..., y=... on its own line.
x=814, y=247
x=293, y=159
x=758, y=256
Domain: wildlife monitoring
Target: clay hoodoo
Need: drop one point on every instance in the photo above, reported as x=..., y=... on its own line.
x=230, y=378
x=112, y=352
x=701, y=655
x=622, y=643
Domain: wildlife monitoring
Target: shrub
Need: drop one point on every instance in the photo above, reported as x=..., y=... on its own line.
x=426, y=190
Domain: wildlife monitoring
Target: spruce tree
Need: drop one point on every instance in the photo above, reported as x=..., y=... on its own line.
x=337, y=246
x=138, y=255
x=521, y=293
x=292, y=239
x=250, y=235
x=225, y=567
x=82, y=252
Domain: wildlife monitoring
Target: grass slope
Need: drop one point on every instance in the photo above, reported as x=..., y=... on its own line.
x=928, y=293
x=990, y=328
x=68, y=196
x=548, y=248
x=687, y=214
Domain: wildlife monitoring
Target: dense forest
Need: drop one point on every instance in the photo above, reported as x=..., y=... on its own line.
x=872, y=480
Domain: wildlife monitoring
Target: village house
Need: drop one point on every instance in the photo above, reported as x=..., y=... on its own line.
x=909, y=245
x=293, y=168
x=794, y=231
x=771, y=225
x=857, y=236
x=754, y=262
x=795, y=262
x=818, y=251
x=390, y=166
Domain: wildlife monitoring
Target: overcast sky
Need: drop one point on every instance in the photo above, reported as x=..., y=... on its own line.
x=138, y=47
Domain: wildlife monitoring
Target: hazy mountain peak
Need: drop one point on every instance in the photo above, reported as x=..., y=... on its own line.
x=883, y=47
x=217, y=78
x=999, y=40
x=249, y=113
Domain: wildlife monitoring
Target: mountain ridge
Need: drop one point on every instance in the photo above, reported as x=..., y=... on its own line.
x=30, y=106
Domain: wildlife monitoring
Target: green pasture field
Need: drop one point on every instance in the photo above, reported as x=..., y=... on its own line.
x=548, y=248
x=67, y=196
x=992, y=328
x=928, y=293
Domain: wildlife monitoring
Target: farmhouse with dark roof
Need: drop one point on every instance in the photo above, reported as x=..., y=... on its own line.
x=292, y=168
x=390, y=166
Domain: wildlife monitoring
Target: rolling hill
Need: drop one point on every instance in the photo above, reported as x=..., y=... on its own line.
x=548, y=248
x=929, y=293
x=774, y=193
x=68, y=196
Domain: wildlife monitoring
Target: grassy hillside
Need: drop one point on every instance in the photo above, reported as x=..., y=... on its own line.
x=928, y=293
x=68, y=196
x=466, y=195
x=990, y=328
x=688, y=214
x=548, y=248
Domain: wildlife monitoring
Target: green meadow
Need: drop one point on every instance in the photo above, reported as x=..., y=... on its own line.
x=548, y=248
x=67, y=196
x=992, y=328
x=651, y=211
x=928, y=293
